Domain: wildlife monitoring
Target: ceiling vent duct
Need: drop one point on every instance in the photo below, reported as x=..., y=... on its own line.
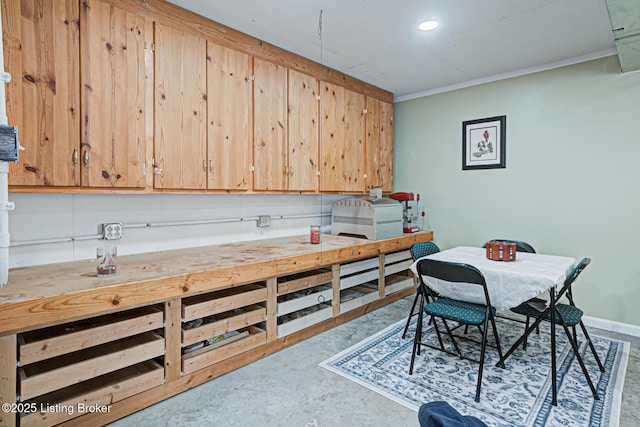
x=625, y=23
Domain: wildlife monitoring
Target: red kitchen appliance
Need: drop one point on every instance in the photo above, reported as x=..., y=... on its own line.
x=410, y=211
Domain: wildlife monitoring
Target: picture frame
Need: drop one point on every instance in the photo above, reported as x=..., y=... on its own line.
x=483, y=143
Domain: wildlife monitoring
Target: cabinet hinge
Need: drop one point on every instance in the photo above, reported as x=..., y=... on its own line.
x=153, y=46
x=317, y=97
x=251, y=77
x=251, y=168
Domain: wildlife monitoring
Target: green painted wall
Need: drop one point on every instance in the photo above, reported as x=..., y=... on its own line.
x=571, y=185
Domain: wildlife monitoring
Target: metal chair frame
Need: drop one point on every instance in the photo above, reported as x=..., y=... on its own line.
x=459, y=273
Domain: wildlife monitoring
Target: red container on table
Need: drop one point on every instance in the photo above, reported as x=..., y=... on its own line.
x=501, y=251
x=314, y=235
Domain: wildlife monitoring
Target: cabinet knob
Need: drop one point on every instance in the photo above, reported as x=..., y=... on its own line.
x=290, y=170
x=211, y=166
x=204, y=166
x=345, y=174
x=75, y=157
x=85, y=160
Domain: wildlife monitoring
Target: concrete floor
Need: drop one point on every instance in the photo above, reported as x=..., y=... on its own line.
x=288, y=388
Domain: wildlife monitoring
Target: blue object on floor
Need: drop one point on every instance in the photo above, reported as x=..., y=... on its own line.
x=441, y=414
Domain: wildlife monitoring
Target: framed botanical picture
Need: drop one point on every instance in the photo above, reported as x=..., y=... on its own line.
x=483, y=143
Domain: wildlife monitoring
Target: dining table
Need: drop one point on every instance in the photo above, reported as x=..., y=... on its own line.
x=509, y=283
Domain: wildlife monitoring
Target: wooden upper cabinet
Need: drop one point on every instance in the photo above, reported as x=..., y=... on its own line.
x=379, y=145
x=42, y=53
x=269, y=126
x=113, y=97
x=180, y=136
x=229, y=118
x=342, y=137
x=303, y=141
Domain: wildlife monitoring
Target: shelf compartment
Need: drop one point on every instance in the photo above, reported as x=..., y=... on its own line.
x=47, y=343
x=398, y=282
x=222, y=350
x=225, y=300
x=304, y=299
x=359, y=266
x=302, y=281
x=367, y=294
x=103, y=390
x=320, y=313
x=53, y=374
x=229, y=321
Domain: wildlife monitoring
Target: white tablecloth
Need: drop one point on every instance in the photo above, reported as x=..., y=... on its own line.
x=509, y=283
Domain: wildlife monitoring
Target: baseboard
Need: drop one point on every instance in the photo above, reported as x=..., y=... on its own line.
x=612, y=326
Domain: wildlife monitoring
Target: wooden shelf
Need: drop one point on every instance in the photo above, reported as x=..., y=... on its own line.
x=220, y=351
x=221, y=301
x=55, y=341
x=53, y=374
x=367, y=294
x=103, y=390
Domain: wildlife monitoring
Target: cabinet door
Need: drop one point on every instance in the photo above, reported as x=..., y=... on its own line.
x=386, y=146
x=332, y=156
x=373, y=144
x=354, y=125
x=113, y=97
x=379, y=145
x=181, y=101
x=269, y=125
x=42, y=53
x=229, y=112
x=303, y=132
x=342, y=139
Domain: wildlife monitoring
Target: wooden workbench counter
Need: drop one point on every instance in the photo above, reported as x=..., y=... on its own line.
x=44, y=295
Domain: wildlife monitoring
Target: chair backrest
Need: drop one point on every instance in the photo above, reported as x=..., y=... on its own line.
x=453, y=272
x=571, y=277
x=419, y=250
x=520, y=245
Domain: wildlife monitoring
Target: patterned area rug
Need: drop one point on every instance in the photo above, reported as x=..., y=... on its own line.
x=519, y=395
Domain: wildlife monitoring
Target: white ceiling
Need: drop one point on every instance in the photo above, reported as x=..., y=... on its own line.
x=378, y=41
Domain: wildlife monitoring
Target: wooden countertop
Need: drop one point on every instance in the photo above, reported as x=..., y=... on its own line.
x=43, y=295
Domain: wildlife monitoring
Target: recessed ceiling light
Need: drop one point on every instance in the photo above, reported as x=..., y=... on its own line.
x=428, y=25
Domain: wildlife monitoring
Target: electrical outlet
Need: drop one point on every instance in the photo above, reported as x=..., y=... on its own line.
x=264, y=221
x=112, y=231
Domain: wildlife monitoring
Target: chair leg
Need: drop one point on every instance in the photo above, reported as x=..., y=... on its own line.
x=453, y=340
x=526, y=326
x=591, y=346
x=482, y=351
x=416, y=341
x=495, y=334
x=576, y=351
x=411, y=313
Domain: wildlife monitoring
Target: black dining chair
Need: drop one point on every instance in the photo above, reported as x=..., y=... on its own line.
x=419, y=250
x=462, y=312
x=567, y=315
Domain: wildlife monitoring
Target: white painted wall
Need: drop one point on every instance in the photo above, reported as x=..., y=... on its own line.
x=571, y=182
x=49, y=216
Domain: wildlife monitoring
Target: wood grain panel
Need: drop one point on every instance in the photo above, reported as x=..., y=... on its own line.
x=373, y=144
x=269, y=125
x=42, y=53
x=386, y=145
x=303, y=139
x=113, y=97
x=332, y=132
x=8, y=377
x=354, y=152
x=229, y=139
x=181, y=102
